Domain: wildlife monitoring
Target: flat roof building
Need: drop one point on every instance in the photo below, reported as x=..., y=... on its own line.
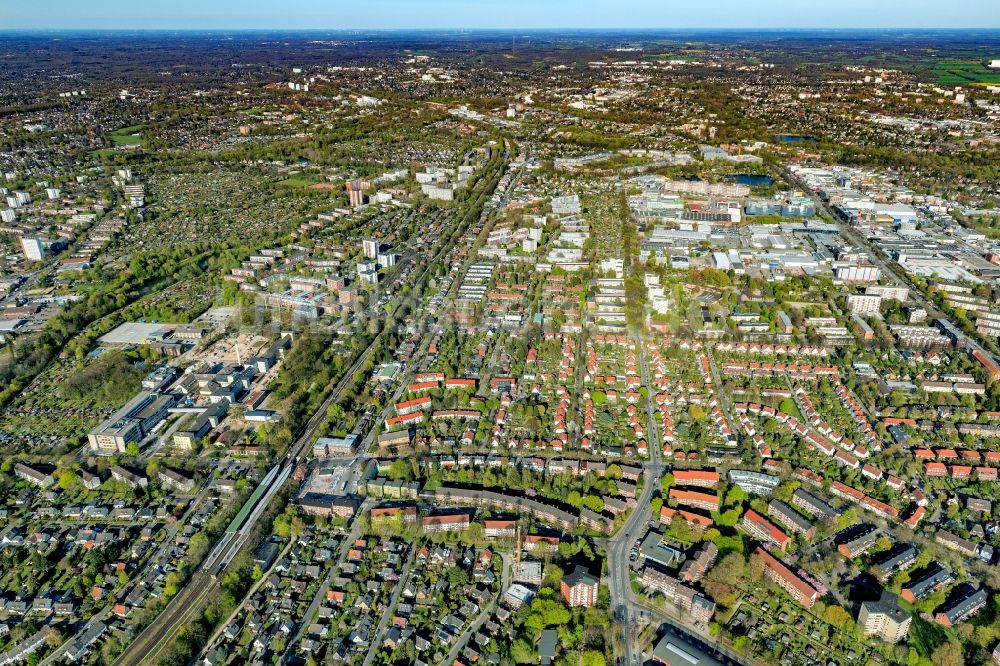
x=672, y=650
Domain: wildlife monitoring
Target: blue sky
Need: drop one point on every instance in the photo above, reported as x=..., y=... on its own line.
x=524, y=14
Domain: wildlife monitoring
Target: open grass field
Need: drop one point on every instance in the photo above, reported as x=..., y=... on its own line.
x=297, y=181
x=127, y=136
x=926, y=636
x=964, y=73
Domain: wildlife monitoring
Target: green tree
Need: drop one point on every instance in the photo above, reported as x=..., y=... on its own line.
x=68, y=480
x=399, y=469
x=836, y=616
x=948, y=654
x=735, y=496
x=522, y=653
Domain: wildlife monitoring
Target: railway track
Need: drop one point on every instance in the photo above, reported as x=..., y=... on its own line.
x=152, y=641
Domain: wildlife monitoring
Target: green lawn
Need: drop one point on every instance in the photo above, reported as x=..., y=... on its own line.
x=127, y=136
x=103, y=152
x=789, y=407
x=926, y=636
x=296, y=181
x=126, y=140
x=965, y=73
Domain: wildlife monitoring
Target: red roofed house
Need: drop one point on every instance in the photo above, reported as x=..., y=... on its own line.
x=800, y=590
x=695, y=499
x=761, y=528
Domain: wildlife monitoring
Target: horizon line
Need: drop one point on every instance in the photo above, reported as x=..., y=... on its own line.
x=636, y=29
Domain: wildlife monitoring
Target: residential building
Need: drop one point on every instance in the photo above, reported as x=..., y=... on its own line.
x=128, y=477
x=32, y=248
x=864, y=304
x=704, y=478
x=316, y=504
x=968, y=602
x=34, y=475
x=955, y=542
x=579, y=588
x=921, y=586
x=695, y=499
x=449, y=522
x=695, y=568
x=884, y=618
x=813, y=505
x=787, y=580
x=499, y=529
x=756, y=483
x=859, y=542
x=175, y=480
x=764, y=530
x=790, y=518
x=896, y=559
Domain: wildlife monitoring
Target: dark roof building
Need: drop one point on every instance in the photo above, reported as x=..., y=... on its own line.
x=813, y=505
x=858, y=542
x=969, y=602
x=899, y=557
x=919, y=587
x=790, y=518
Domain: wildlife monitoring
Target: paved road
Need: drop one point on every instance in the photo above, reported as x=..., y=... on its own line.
x=618, y=546
x=389, y=608
x=618, y=567
x=484, y=615
x=675, y=625
x=103, y=614
x=320, y=596
x=889, y=267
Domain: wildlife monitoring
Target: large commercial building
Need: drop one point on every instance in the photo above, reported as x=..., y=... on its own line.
x=130, y=423
x=673, y=650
